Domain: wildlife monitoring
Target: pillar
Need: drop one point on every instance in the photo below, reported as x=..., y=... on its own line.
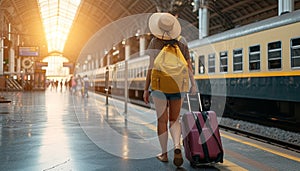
x=285, y=6
x=19, y=65
x=127, y=52
x=203, y=22
x=11, y=60
x=142, y=45
x=1, y=56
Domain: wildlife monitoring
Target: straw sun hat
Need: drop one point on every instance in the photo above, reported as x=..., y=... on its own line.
x=164, y=26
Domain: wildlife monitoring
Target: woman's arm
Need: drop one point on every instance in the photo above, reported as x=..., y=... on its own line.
x=186, y=53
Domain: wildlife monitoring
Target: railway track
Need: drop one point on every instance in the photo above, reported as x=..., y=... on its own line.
x=287, y=145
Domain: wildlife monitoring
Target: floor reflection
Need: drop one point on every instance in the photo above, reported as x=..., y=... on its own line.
x=54, y=151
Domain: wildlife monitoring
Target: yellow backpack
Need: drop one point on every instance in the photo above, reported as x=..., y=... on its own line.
x=170, y=71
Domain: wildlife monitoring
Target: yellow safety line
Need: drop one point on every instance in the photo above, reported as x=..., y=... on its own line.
x=231, y=166
x=262, y=148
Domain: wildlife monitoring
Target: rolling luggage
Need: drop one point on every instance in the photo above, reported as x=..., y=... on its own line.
x=201, y=137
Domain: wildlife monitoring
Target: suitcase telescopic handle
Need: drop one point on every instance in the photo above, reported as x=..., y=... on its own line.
x=189, y=103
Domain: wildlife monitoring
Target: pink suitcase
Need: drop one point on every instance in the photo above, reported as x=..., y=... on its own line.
x=201, y=137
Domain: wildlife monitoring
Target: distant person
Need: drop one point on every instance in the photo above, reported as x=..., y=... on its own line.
x=79, y=85
x=166, y=29
x=73, y=85
x=86, y=83
x=56, y=85
x=61, y=84
x=66, y=84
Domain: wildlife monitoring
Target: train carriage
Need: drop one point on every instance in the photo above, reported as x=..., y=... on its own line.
x=254, y=70
x=260, y=64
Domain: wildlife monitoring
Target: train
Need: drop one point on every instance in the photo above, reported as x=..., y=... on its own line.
x=251, y=72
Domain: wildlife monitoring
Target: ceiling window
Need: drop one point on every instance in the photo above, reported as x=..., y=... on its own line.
x=57, y=17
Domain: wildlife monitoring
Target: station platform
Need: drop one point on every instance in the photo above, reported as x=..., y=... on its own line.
x=55, y=130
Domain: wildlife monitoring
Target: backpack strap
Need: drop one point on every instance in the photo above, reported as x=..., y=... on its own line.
x=179, y=37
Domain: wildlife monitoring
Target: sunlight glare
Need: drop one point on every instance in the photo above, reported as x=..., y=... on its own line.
x=57, y=17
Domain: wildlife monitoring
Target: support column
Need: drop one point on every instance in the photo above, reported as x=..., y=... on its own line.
x=203, y=21
x=127, y=52
x=1, y=56
x=142, y=45
x=11, y=57
x=18, y=68
x=19, y=65
x=285, y=6
x=11, y=61
x=127, y=57
x=97, y=62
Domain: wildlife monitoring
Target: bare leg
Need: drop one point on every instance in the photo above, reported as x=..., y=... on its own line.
x=162, y=122
x=175, y=128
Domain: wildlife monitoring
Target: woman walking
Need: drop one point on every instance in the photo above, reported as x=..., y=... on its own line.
x=166, y=30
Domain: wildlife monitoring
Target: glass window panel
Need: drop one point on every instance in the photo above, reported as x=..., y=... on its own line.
x=254, y=48
x=296, y=42
x=238, y=51
x=274, y=45
x=192, y=55
x=238, y=60
x=211, y=63
x=295, y=52
x=274, y=55
x=254, y=57
x=295, y=62
x=237, y=67
x=275, y=64
x=223, y=61
x=201, y=69
x=254, y=66
x=57, y=19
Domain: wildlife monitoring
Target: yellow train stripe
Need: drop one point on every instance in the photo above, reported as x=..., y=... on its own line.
x=246, y=75
x=262, y=148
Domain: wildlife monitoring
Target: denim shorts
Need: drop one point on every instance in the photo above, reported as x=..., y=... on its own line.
x=167, y=96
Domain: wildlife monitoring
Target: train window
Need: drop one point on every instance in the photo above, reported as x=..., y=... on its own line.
x=224, y=61
x=145, y=71
x=274, y=55
x=141, y=72
x=201, y=68
x=131, y=73
x=238, y=60
x=254, y=57
x=295, y=53
x=211, y=63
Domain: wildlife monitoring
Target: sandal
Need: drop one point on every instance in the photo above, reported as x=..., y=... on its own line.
x=162, y=158
x=178, y=160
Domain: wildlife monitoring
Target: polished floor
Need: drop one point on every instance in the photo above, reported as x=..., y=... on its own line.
x=50, y=131
x=55, y=130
